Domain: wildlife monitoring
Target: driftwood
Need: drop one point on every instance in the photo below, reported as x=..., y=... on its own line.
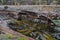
x=10, y=31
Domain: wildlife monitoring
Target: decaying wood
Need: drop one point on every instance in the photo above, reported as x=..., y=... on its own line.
x=9, y=31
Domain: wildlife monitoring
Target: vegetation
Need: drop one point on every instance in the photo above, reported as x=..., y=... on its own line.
x=30, y=2
x=10, y=37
